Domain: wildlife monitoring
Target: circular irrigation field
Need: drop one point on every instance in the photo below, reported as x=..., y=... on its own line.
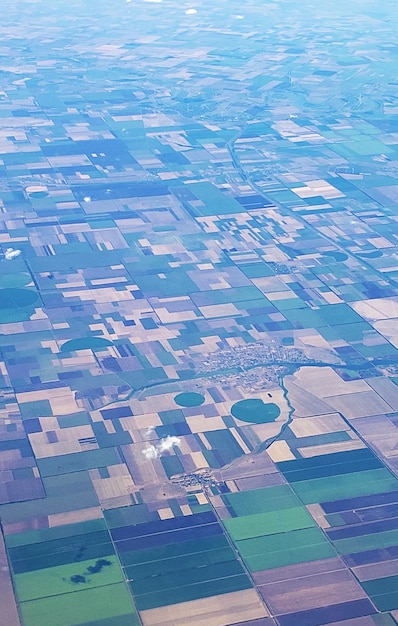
x=255, y=411
x=16, y=304
x=86, y=343
x=189, y=399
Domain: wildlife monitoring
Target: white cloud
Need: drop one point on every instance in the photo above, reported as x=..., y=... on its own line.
x=150, y=453
x=149, y=432
x=190, y=12
x=168, y=443
x=153, y=452
x=11, y=254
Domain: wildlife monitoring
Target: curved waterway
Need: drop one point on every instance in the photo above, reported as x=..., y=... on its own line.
x=266, y=444
x=292, y=366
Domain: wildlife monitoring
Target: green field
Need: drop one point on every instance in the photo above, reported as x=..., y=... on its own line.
x=187, y=576
x=78, y=461
x=215, y=202
x=64, y=493
x=68, y=578
x=383, y=592
x=367, y=542
x=180, y=563
x=285, y=548
x=54, y=532
x=346, y=486
x=269, y=523
x=291, y=556
x=81, y=607
x=261, y=500
x=196, y=591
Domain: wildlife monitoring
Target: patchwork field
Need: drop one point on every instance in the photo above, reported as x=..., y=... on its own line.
x=198, y=313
